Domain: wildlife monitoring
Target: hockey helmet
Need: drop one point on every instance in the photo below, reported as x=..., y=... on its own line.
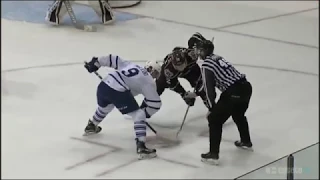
x=179, y=60
x=195, y=38
x=154, y=68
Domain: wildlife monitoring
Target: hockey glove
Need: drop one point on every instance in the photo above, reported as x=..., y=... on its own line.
x=189, y=98
x=93, y=65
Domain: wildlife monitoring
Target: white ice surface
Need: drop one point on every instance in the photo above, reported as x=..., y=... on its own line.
x=44, y=110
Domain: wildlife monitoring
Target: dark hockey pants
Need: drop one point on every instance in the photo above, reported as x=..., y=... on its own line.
x=233, y=102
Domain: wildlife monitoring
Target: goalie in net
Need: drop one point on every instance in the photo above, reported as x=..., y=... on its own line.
x=103, y=9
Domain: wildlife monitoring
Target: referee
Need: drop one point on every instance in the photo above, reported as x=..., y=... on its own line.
x=234, y=100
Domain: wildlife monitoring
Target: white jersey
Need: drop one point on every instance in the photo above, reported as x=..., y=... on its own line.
x=130, y=76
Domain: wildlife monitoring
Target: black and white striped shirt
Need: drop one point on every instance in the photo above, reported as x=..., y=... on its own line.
x=217, y=72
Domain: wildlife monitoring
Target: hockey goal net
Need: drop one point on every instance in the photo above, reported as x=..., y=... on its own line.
x=117, y=3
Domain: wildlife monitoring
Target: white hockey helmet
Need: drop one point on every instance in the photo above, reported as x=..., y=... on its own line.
x=154, y=68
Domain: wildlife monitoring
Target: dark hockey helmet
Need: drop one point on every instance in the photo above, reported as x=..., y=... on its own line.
x=178, y=59
x=194, y=39
x=204, y=48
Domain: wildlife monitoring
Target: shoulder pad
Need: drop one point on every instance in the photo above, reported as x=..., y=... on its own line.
x=214, y=57
x=167, y=59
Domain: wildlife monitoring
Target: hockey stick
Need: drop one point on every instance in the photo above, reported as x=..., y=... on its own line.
x=75, y=23
x=100, y=77
x=183, y=121
x=185, y=115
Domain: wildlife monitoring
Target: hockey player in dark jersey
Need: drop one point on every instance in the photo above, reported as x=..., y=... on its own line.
x=181, y=63
x=234, y=99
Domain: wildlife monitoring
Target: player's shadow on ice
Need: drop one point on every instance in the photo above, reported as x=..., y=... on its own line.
x=198, y=125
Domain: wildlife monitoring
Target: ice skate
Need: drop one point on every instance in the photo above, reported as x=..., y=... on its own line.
x=210, y=158
x=144, y=152
x=91, y=129
x=246, y=146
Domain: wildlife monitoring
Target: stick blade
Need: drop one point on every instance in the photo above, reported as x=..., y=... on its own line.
x=163, y=141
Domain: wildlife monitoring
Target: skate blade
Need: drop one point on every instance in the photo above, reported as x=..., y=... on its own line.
x=52, y=23
x=210, y=161
x=92, y=132
x=89, y=133
x=147, y=156
x=245, y=148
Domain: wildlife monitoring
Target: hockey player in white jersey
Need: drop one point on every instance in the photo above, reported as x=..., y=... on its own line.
x=57, y=11
x=118, y=89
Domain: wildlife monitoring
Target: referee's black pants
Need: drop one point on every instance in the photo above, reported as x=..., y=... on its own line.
x=233, y=102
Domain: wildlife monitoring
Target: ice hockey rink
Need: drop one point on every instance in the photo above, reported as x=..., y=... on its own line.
x=48, y=96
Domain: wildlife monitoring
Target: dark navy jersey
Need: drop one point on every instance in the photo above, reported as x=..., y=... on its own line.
x=169, y=75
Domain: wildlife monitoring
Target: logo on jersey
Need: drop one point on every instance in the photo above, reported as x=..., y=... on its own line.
x=168, y=73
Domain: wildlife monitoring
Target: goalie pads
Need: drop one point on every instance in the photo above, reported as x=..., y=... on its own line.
x=103, y=10
x=56, y=12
